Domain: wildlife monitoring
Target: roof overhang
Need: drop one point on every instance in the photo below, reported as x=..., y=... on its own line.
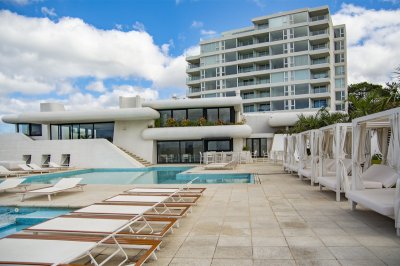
x=196, y=103
x=106, y=115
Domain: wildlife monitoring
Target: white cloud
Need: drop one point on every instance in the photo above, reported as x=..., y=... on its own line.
x=69, y=48
x=138, y=26
x=373, y=39
x=48, y=11
x=197, y=24
x=208, y=32
x=20, y=2
x=97, y=86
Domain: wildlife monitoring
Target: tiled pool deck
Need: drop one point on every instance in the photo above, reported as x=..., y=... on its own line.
x=283, y=221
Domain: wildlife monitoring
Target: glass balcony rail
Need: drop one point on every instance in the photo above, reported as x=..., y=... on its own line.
x=245, y=43
x=319, y=61
x=245, y=56
x=318, y=18
x=246, y=69
x=245, y=83
x=318, y=32
x=260, y=54
x=320, y=90
x=264, y=109
x=248, y=96
x=263, y=81
x=319, y=46
x=320, y=76
x=262, y=67
x=191, y=66
x=193, y=78
x=194, y=90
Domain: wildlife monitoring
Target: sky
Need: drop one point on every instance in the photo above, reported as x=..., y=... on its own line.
x=87, y=53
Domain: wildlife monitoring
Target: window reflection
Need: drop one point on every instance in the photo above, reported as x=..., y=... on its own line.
x=187, y=151
x=83, y=131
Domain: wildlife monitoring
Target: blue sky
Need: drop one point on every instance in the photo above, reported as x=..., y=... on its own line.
x=87, y=53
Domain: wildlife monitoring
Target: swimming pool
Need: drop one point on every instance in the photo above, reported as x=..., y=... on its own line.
x=14, y=219
x=150, y=175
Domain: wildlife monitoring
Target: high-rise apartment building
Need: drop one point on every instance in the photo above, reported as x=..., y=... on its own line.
x=294, y=60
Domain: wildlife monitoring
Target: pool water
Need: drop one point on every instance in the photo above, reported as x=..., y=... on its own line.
x=151, y=175
x=14, y=219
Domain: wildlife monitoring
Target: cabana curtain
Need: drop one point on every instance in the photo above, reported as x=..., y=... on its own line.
x=314, y=154
x=383, y=139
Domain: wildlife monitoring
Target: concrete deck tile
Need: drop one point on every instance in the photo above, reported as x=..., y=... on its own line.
x=233, y=252
x=271, y=253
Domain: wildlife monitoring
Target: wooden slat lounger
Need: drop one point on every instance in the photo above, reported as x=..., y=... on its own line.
x=26, y=249
x=166, y=190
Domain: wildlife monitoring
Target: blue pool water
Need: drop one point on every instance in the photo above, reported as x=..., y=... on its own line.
x=151, y=175
x=14, y=219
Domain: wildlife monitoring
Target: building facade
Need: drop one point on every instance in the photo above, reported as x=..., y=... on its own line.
x=287, y=62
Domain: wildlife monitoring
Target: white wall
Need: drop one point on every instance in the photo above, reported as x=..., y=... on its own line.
x=85, y=153
x=128, y=135
x=238, y=144
x=258, y=123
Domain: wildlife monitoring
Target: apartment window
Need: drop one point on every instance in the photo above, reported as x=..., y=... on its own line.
x=32, y=130
x=276, y=35
x=230, y=57
x=338, y=33
x=257, y=146
x=209, y=47
x=339, y=83
x=339, y=70
x=248, y=95
x=339, y=45
x=301, y=89
x=300, y=60
x=299, y=17
x=83, y=131
x=300, y=46
x=301, y=103
x=277, y=22
x=300, y=32
x=209, y=73
x=264, y=107
x=248, y=108
x=340, y=107
x=320, y=103
x=229, y=44
x=231, y=83
x=339, y=58
x=179, y=115
x=209, y=95
x=218, y=145
x=277, y=91
x=230, y=70
x=301, y=74
x=340, y=95
x=277, y=105
x=195, y=114
x=209, y=60
x=277, y=77
x=286, y=104
x=184, y=151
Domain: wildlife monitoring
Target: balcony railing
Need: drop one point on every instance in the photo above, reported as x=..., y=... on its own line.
x=320, y=76
x=318, y=32
x=246, y=69
x=246, y=83
x=320, y=90
x=319, y=47
x=318, y=18
x=191, y=66
x=319, y=61
x=245, y=43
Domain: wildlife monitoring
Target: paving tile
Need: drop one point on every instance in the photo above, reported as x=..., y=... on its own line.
x=233, y=252
x=339, y=241
x=234, y=241
x=188, y=261
x=232, y=262
x=270, y=241
x=274, y=262
x=200, y=252
x=387, y=254
x=371, y=262
x=317, y=263
x=201, y=241
x=304, y=241
x=271, y=253
x=352, y=253
x=376, y=241
x=311, y=253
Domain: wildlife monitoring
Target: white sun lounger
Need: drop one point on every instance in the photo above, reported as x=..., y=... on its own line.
x=114, y=209
x=4, y=172
x=12, y=183
x=26, y=168
x=104, y=225
x=38, y=168
x=63, y=185
x=184, y=189
x=57, y=166
x=25, y=249
x=378, y=200
x=173, y=198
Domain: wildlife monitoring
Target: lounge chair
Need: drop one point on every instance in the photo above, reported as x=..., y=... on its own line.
x=221, y=166
x=378, y=176
x=38, y=168
x=63, y=185
x=28, y=169
x=104, y=225
x=4, y=172
x=25, y=249
x=12, y=183
x=57, y=166
x=171, y=198
x=131, y=209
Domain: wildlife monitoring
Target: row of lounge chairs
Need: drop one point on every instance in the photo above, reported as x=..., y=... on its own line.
x=126, y=228
x=31, y=168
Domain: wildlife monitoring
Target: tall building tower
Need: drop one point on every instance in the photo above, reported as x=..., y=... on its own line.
x=290, y=61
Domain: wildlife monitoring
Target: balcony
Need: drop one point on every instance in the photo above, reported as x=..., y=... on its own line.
x=320, y=76
x=246, y=69
x=318, y=32
x=318, y=18
x=246, y=83
x=319, y=46
x=319, y=61
x=192, y=66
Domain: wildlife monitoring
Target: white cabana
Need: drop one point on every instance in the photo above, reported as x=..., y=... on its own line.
x=308, y=162
x=335, y=154
x=385, y=201
x=292, y=153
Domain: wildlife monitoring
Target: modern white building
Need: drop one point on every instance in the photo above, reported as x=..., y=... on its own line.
x=285, y=62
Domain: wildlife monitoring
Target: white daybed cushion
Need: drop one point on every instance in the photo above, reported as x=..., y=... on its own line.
x=131, y=198
x=372, y=184
x=380, y=173
x=305, y=172
x=379, y=200
x=42, y=251
x=328, y=181
x=114, y=209
x=88, y=225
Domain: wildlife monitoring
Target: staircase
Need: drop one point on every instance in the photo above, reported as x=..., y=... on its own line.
x=137, y=158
